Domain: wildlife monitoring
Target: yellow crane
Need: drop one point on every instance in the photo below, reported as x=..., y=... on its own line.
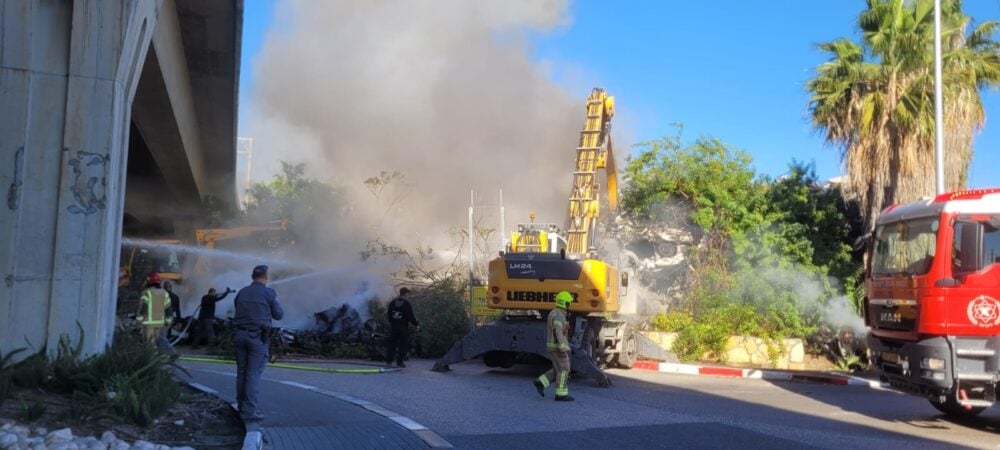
x=541, y=260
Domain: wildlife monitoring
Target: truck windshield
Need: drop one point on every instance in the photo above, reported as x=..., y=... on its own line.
x=905, y=247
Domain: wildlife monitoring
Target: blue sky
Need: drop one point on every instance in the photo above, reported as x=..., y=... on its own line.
x=731, y=69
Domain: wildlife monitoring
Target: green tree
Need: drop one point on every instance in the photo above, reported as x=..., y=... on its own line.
x=314, y=210
x=711, y=179
x=815, y=221
x=874, y=99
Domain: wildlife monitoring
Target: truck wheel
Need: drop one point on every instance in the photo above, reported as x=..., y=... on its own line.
x=952, y=408
x=629, y=351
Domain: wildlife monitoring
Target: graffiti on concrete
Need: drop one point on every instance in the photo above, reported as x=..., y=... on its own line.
x=14, y=191
x=89, y=182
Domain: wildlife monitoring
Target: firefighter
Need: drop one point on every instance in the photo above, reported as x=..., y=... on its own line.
x=557, y=343
x=205, y=333
x=153, y=316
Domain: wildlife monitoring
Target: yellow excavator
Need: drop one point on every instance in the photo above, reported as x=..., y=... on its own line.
x=541, y=260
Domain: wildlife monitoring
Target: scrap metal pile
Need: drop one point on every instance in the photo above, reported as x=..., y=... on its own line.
x=338, y=332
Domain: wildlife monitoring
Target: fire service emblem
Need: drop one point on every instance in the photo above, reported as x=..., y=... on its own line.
x=984, y=311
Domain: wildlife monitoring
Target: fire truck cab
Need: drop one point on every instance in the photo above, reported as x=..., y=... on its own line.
x=933, y=299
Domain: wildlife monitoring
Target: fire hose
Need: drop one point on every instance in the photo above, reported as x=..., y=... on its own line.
x=293, y=366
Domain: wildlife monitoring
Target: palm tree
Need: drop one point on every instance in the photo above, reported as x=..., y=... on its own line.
x=874, y=99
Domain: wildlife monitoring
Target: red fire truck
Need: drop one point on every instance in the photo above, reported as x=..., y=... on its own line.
x=933, y=299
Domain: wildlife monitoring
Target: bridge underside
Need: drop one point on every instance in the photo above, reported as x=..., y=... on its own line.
x=117, y=114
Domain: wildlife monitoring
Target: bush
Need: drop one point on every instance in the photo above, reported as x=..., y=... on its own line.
x=672, y=322
x=440, y=308
x=6, y=372
x=131, y=379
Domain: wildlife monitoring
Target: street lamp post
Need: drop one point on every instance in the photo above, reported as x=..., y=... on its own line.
x=938, y=109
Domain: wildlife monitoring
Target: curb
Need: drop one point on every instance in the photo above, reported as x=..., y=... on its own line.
x=253, y=439
x=429, y=437
x=734, y=372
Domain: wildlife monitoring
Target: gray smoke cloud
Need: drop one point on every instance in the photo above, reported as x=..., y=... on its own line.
x=445, y=92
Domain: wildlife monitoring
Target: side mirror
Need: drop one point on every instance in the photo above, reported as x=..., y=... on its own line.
x=862, y=241
x=624, y=283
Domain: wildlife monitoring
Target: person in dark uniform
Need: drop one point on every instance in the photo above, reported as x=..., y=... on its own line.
x=400, y=315
x=175, y=300
x=256, y=305
x=175, y=307
x=205, y=331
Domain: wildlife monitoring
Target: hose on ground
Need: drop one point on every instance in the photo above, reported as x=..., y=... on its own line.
x=294, y=366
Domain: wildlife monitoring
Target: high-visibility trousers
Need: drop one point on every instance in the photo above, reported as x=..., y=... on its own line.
x=558, y=374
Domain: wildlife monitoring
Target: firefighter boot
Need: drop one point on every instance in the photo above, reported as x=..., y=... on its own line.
x=539, y=387
x=564, y=398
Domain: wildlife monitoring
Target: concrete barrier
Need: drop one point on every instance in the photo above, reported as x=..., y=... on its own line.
x=748, y=350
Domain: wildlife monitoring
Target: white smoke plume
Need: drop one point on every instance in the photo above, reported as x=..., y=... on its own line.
x=445, y=92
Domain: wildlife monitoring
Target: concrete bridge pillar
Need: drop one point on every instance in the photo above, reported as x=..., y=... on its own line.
x=68, y=74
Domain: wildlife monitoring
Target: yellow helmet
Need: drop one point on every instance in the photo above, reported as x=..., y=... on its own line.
x=563, y=299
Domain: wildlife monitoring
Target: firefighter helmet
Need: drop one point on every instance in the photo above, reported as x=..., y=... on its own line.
x=563, y=299
x=153, y=278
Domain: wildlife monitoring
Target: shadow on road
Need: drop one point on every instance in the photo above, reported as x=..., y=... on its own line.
x=911, y=410
x=672, y=415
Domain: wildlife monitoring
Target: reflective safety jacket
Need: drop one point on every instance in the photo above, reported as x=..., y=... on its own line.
x=156, y=301
x=557, y=331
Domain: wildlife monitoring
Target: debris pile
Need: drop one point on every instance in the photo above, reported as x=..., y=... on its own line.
x=657, y=256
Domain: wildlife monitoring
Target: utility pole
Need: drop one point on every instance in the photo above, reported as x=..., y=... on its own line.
x=938, y=108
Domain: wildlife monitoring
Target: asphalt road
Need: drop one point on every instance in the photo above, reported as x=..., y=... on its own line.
x=480, y=408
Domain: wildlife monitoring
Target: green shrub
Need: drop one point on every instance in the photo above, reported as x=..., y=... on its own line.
x=32, y=372
x=6, y=372
x=440, y=308
x=32, y=411
x=672, y=322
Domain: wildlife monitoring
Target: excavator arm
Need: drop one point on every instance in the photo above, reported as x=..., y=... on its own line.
x=593, y=153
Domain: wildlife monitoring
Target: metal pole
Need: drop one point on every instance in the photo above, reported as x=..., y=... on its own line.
x=938, y=108
x=472, y=257
x=503, y=225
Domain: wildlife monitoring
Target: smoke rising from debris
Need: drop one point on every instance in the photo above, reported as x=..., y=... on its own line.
x=445, y=92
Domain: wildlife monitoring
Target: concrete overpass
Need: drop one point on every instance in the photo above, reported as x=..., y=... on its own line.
x=98, y=96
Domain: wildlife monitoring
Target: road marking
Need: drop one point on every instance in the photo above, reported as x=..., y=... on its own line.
x=299, y=385
x=203, y=388
x=407, y=423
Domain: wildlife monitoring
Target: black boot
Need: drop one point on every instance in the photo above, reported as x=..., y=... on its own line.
x=564, y=398
x=539, y=387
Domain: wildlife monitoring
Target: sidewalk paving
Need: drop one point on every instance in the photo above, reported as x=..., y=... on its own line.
x=296, y=417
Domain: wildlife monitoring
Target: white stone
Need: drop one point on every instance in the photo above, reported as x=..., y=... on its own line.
x=6, y=426
x=179, y=423
x=21, y=430
x=162, y=447
x=64, y=446
x=143, y=445
x=182, y=448
x=7, y=439
x=95, y=445
x=120, y=445
x=41, y=431
x=58, y=436
x=108, y=437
